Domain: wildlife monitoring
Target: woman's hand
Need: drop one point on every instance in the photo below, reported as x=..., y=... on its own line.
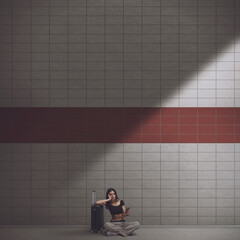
x=109, y=198
x=103, y=202
x=127, y=212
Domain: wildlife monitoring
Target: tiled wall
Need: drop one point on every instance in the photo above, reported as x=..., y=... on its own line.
x=162, y=183
x=172, y=53
x=119, y=53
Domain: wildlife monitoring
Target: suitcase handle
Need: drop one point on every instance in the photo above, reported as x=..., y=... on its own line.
x=93, y=197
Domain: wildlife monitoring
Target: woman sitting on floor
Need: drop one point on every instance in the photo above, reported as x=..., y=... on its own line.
x=117, y=225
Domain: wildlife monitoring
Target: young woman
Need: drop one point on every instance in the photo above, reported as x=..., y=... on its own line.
x=117, y=226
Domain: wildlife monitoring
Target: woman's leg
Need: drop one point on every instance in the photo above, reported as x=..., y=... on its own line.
x=130, y=227
x=114, y=227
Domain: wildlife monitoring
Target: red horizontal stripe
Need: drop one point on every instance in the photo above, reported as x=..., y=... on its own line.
x=120, y=125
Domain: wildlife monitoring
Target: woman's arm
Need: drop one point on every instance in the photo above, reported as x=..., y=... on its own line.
x=125, y=213
x=103, y=202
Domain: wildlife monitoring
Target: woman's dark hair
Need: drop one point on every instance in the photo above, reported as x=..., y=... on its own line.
x=108, y=191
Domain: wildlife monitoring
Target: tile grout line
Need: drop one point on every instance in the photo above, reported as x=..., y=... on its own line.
x=197, y=115
x=30, y=210
x=31, y=95
x=68, y=90
x=86, y=105
x=12, y=43
x=179, y=144
x=105, y=54
x=49, y=105
x=86, y=51
x=123, y=84
x=234, y=173
x=123, y=21
x=160, y=115
x=216, y=112
x=141, y=76
x=105, y=73
x=68, y=100
x=105, y=105
x=49, y=57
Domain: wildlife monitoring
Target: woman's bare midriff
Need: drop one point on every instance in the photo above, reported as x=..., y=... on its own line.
x=118, y=217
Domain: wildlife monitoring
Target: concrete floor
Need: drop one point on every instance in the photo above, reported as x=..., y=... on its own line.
x=145, y=232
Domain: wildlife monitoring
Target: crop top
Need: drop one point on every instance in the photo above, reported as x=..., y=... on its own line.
x=116, y=209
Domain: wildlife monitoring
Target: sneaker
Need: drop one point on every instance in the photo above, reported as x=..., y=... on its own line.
x=108, y=233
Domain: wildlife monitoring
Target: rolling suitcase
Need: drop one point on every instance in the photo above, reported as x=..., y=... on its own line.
x=97, y=218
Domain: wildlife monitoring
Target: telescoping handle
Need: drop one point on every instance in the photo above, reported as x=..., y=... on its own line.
x=93, y=197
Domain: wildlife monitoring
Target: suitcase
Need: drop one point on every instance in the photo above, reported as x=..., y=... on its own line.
x=97, y=218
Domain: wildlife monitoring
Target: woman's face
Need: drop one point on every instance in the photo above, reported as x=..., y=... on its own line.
x=112, y=195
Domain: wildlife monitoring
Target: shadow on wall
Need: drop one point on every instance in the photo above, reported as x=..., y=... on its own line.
x=148, y=54
x=172, y=47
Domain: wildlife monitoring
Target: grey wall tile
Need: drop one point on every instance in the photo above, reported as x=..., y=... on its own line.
x=225, y=220
x=188, y=220
x=151, y=175
x=169, y=221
